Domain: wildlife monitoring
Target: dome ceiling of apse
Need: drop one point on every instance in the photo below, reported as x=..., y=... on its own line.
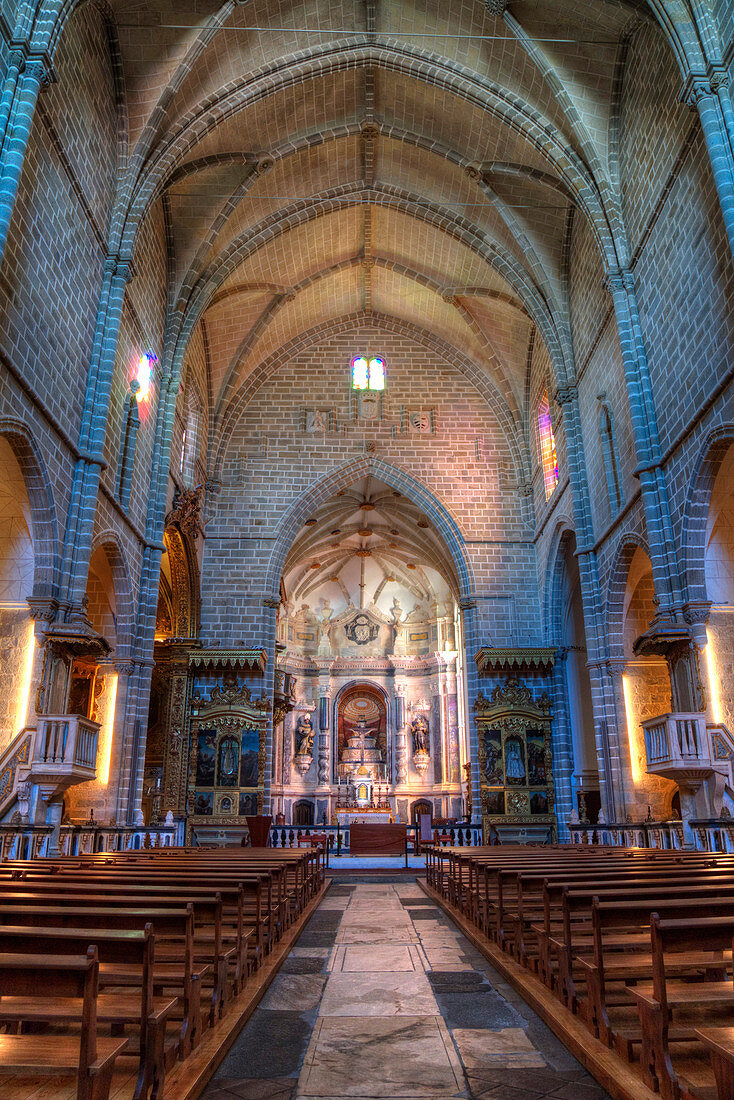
x=315, y=162
x=361, y=706
x=369, y=535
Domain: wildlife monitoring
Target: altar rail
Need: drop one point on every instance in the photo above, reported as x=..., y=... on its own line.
x=289, y=836
x=714, y=835
x=31, y=841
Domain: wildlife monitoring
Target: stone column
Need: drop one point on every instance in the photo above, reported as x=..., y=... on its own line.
x=270, y=604
x=452, y=724
x=88, y=469
x=468, y=610
x=324, y=723
x=23, y=80
x=563, y=762
x=710, y=96
x=653, y=487
x=401, y=755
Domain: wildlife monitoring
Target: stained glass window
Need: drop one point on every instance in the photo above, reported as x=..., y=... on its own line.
x=368, y=374
x=547, y=447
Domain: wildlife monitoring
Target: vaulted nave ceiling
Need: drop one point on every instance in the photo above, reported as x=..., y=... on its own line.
x=420, y=163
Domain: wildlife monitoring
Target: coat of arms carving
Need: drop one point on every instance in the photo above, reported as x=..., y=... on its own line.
x=361, y=629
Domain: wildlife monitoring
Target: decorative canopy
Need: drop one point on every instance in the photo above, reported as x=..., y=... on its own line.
x=505, y=659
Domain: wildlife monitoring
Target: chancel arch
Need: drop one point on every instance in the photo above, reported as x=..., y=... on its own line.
x=370, y=634
x=17, y=576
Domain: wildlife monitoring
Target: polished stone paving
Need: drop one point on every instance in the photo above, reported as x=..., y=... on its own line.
x=384, y=997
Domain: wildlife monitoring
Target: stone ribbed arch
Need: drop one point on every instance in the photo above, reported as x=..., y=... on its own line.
x=108, y=542
x=44, y=523
x=341, y=478
x=628, y=544
x=147, y=176
x=553, y=579
x=512, y=432
x=698, y=501
x=273, y=308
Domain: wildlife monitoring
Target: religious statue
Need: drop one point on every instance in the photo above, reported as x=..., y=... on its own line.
x=514, y=767
x=325, y=642
x=304, y=736
x=398, y=628
x=419, y=730
x=421, y=744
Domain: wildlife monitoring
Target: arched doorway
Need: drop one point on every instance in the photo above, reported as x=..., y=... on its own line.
x=303, y=812
x=420, y=807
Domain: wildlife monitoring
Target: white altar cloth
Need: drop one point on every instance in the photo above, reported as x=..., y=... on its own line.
x=364, y=817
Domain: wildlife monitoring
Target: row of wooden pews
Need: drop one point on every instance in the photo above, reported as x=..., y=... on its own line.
x=636, y=943
x=126, y=960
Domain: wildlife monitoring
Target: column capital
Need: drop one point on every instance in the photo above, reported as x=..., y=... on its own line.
x=697, y=612
x=619, y=280
x=117, y=266
x=699, y=87
x=564, y=395
x=273, y=602
x=40, y=68
x=497, y=7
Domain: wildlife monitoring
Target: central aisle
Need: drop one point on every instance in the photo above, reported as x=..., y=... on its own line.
x=384, y=997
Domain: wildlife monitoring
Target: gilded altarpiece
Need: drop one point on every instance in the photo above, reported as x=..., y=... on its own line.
x=226, y=774
x=515, y=757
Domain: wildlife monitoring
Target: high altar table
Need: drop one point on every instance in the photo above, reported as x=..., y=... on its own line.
x=378, y=840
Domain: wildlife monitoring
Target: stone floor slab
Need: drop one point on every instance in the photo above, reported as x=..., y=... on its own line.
x=378, y=994
x=366, y=958
x=272, y=1044
x=408, y=1057
x=294, y=993
x=507, y=1047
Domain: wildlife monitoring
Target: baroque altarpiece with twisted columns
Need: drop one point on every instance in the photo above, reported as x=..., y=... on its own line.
x=393, y=722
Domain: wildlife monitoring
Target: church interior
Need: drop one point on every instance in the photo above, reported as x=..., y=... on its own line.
x=366, y=549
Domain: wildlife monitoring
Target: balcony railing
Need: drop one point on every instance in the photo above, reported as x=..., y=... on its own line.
x=676, y=743
x=65, y=747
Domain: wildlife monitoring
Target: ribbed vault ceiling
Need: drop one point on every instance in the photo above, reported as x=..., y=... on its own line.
x=416, y=159
x=369, y=544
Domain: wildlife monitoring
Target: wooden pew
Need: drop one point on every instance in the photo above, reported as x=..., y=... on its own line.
x=71, y=979
x=121, y=964
x=666, y=1003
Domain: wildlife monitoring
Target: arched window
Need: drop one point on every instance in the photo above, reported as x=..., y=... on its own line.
x=547, y=447
x=368, y=374
x=190, y=437
x=127, y=445
x=611, y=463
